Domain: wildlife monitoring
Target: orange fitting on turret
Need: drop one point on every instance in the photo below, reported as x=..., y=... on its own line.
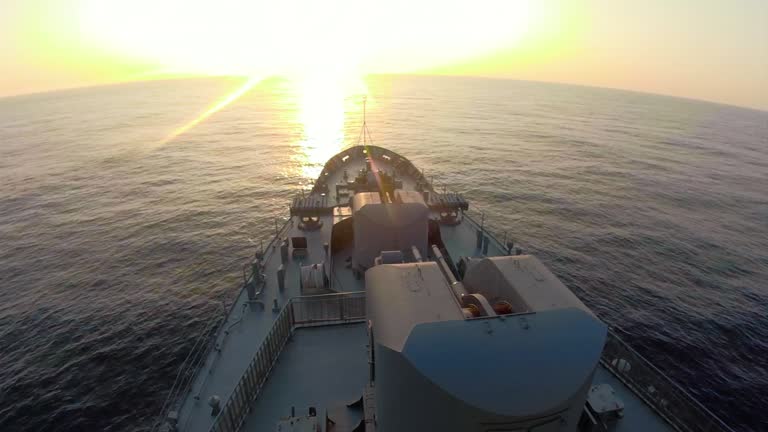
x=502, y=308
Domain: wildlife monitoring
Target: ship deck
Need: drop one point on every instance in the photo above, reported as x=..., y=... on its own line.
x=326, y=366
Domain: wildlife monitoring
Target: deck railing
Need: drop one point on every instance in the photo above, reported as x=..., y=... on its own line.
x=480, y=220
x=263, y=251
x=299, y=312
x=190, y=369
x=668, y=399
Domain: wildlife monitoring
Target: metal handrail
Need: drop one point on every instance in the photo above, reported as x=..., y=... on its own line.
x=474, y=215
x=299, y=312
x=487, y=230
x=279, y=230
x=272, y=243
x=405, y=163
x=664, y=396
x=190, y=368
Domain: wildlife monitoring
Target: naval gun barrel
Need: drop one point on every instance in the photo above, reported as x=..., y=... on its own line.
x=458, y=288
x=472, y=305
x=416, y=254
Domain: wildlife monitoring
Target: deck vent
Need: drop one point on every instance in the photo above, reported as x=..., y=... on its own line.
x=604, y=402
x=215, y=403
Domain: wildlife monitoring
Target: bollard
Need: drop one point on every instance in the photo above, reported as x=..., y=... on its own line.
x=215, y=403
x=284, y=251
x=281, y=277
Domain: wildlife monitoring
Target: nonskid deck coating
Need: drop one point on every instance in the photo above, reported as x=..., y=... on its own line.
x=320, y=367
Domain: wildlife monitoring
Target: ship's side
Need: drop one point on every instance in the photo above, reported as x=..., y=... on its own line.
x=383, y=303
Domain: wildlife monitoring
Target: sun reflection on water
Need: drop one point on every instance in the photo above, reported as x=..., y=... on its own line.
x=324, y=104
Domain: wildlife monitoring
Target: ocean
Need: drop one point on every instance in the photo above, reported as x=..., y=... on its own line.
x=126, y=217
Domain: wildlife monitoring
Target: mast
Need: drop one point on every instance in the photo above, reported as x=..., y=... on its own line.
x=365, y=125
x=365, y=134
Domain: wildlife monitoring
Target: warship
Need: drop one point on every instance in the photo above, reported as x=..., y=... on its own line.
x=383, y=304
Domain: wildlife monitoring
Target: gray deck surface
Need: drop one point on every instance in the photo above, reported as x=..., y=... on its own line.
x=320, y=367
x=343, y=278
x=461, y=240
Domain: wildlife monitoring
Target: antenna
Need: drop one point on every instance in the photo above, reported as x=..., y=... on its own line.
x=365, y=134
x=365, y=125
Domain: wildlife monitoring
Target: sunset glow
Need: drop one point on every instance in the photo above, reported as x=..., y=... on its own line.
x=709, y=50
x=322, y=105
x=247, y=37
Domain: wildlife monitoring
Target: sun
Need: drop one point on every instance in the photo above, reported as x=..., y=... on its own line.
x=262, y=38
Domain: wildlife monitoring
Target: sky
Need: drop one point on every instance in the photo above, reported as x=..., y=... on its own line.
x=714, y=50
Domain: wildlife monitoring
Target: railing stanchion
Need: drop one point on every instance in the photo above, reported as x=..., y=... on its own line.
x=662, y=394
x=316, y=310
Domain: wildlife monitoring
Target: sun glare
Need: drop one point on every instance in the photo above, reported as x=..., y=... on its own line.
x=250, y=37
x=226, y=100
x=324, y=103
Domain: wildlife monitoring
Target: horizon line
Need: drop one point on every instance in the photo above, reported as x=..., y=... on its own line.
x=187, y=76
